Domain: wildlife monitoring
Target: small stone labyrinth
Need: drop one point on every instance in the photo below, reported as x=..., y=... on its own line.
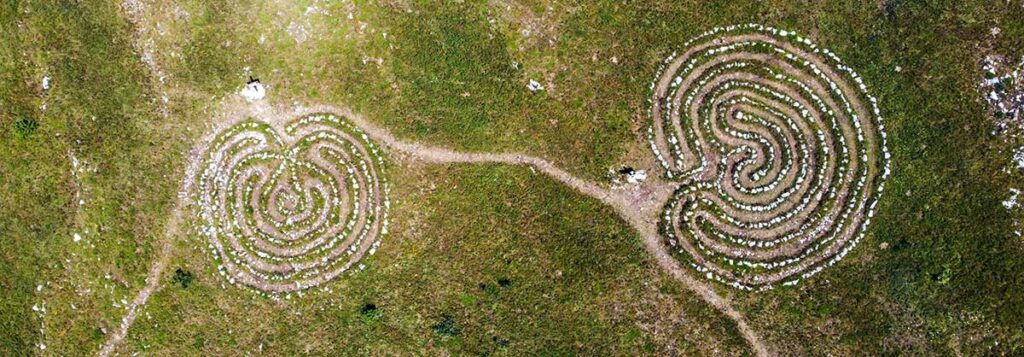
x=288, y=210
x=780, y=151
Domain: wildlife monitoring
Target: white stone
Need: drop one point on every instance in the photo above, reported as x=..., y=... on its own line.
x=1011, y=202
x=254, y=91
x=534, y=86
x=637, y=176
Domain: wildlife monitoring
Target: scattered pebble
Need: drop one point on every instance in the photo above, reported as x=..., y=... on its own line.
x=297, y=32
x=1002, y=88
x=534, y=86
x=1011, y=202
x=1018, y=157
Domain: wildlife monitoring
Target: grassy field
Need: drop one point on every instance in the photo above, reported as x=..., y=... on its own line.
x=485, y=259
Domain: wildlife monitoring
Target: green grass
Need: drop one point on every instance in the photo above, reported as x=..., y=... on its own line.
x=23, y=224
x=947, y=282
x=100, y=110
x=541, y=276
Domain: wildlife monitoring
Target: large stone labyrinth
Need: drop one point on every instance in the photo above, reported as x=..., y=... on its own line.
x=288, y=210
x=780, y=149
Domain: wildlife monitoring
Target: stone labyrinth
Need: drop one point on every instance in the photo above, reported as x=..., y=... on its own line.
x=288, y=210
x=777, y=148
x=780, y=151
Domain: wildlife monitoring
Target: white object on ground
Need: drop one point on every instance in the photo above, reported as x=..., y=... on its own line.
x=46, y=82
x=636, y=176
x=534, y=86
x=254, y=91
x=77, y=237
x=1018, y=157
x=1011, y=202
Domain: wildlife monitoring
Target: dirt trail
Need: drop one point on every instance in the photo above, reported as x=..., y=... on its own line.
x=624, y=204
x=639, y=205
x=136, y=14
x=152, y=282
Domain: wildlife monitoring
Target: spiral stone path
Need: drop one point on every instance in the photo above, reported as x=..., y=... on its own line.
x=780, y=150
x=289, y=208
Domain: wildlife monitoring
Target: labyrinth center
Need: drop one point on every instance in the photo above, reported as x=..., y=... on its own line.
x=780, y=149
x=288, y=210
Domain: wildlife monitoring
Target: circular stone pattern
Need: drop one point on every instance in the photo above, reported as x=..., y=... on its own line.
x=780, y=149
x=284, y=213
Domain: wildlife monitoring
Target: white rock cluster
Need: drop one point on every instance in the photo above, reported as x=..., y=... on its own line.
x=253, y=91
x=1003, y=90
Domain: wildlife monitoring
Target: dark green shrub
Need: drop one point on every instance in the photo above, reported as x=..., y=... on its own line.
x=446, y=327
x=184, y=278
x=504, y=282
x=943, y=276
x=25, y=127
x=369, y=313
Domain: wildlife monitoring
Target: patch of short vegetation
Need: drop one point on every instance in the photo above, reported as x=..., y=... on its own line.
x=182, y=277
x=500, y=341
x=369, y=313
x=24, y=127
x=446, y=326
